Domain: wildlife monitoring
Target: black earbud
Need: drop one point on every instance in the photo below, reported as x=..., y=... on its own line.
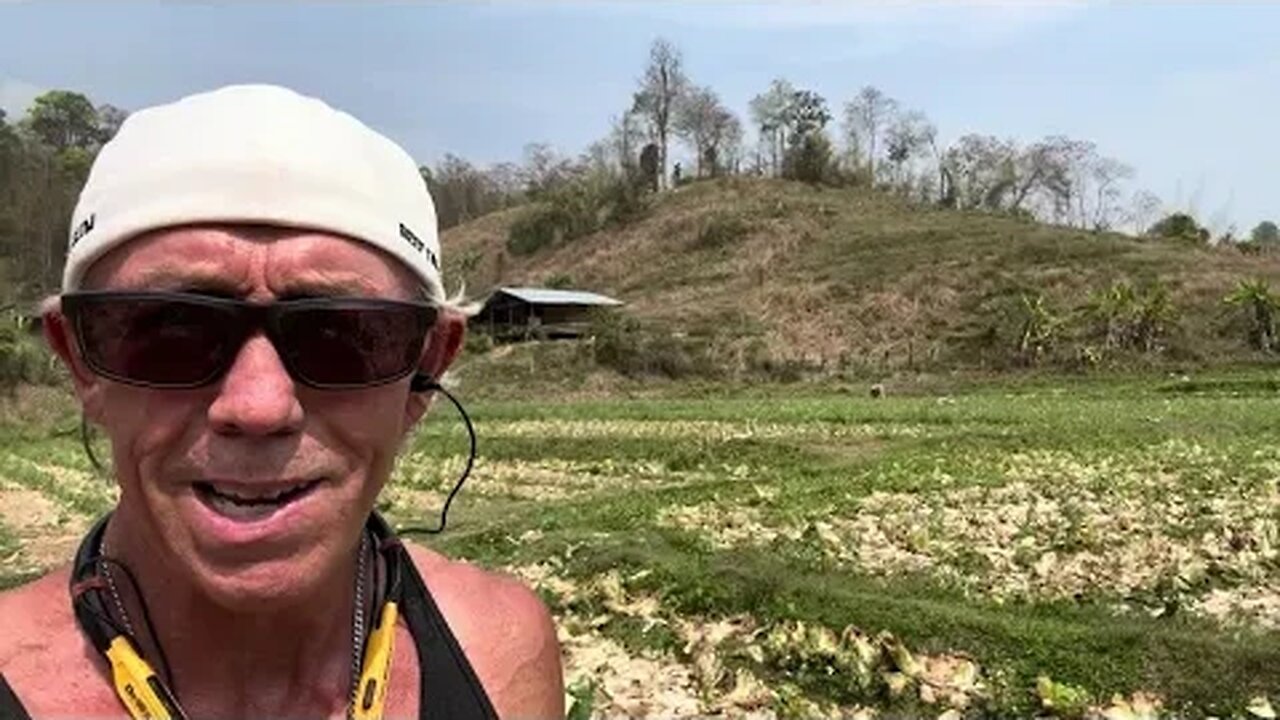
x=423, y=382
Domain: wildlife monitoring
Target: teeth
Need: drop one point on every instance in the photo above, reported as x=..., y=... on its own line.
x=236, y=506
x=236, y=511
x=266, y=496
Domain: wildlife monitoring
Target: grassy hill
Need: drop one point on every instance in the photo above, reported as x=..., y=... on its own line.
x=754, y=273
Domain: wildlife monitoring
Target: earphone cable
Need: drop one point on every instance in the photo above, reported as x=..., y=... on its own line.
x=466, y=471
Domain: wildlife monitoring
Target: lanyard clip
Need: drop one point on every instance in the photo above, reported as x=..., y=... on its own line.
x=371, y=692
x=137, y=686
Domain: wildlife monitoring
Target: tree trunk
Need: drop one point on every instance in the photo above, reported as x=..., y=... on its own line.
x=871, y=157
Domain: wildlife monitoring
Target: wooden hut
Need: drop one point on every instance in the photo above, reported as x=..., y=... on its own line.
x=512, y=313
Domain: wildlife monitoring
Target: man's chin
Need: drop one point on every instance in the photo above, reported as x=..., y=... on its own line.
x=261, y=588
x=274, y=571
x=258, y=560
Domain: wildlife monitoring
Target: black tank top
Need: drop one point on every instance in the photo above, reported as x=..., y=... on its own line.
x=448, y=688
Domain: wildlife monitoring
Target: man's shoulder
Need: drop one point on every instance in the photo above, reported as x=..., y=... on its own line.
x=473, y=593
x=37, y=617
x=505, y=630
x=450, y=574
x=39, y=640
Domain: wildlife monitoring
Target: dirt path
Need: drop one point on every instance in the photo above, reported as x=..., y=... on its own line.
x=47, y=534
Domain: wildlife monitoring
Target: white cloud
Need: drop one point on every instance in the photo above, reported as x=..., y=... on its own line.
x=16, y=96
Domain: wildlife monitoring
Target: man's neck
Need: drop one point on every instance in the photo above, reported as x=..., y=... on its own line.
x=287, y=662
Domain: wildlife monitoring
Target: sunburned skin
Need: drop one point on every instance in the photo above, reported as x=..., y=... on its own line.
x=56, y=673
x=253, y=605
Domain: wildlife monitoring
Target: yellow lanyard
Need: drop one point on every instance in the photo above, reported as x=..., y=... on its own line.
x=137, y=686
x=375, y=676
x=146, y=697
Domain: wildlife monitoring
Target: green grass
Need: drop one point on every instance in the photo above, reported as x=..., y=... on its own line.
x=1212, y=439
x=816, y=504
x=30, y=465
x=8, y=542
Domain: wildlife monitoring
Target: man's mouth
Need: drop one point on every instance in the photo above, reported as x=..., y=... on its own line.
x=246, y=502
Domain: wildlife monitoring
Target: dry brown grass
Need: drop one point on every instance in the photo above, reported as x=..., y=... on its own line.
x=839, y=276
x=47, y=534
x=37, y=408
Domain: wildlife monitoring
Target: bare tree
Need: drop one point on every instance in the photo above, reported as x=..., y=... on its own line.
x=545, y=169
x=619, y=151
x=694, y=116
x=110, y=118
x=628, y=138
x=729, y=149
x=1071, y=194
x=866, y=116
x=809, y=154
x=980, y=171
x=1043, y=169
x=908, y=137
x=1086, y=189
x=945, y=188
x=1056, y=179
x=507, y=180
x=1106, y=174
x=463, y=192
x=663, y=83
x=770, y=112
x=706, y=125
x=1144, y=207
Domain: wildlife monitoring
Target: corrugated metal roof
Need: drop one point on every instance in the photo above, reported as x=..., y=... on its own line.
x=547, y=296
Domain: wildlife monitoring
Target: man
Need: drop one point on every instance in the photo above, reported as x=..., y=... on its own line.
x=253, y=312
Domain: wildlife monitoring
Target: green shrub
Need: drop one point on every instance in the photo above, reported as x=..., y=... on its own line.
x=1038, y=329
x=560, y=281
x=1125, y=316
x=810, y=158
x=780, y=370
x=626, y=200
x=23, y=358
x=478, y=343
x=11, y=361
x=576, y=209
x=1260, y=304
x=1018, y=328
x=1181, y=227
x=630, y=348
x=532, y=230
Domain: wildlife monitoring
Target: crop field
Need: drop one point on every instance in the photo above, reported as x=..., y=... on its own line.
x=1098, y=548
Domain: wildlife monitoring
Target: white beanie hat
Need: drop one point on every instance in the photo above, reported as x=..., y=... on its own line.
x=255, y=154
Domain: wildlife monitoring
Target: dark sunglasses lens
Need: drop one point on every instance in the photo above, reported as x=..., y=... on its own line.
x=353, y=345
x=157, y=341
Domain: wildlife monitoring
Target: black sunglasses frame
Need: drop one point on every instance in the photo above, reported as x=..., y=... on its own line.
x=245, y=318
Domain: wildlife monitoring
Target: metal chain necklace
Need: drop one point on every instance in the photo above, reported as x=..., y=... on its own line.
x=115, y=594
x=357, y=621
x=357, y=627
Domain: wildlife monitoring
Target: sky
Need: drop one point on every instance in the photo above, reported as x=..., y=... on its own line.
x=1186, y=93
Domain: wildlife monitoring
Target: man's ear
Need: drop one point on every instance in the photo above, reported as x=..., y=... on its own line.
x=444, y=342
x=61, y=340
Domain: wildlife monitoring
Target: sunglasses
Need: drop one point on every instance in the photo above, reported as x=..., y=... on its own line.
x=181, y=340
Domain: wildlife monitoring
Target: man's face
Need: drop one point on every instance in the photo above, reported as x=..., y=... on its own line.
x=181, y=455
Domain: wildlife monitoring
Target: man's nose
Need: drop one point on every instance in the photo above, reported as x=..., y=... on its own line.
x=256, y=396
